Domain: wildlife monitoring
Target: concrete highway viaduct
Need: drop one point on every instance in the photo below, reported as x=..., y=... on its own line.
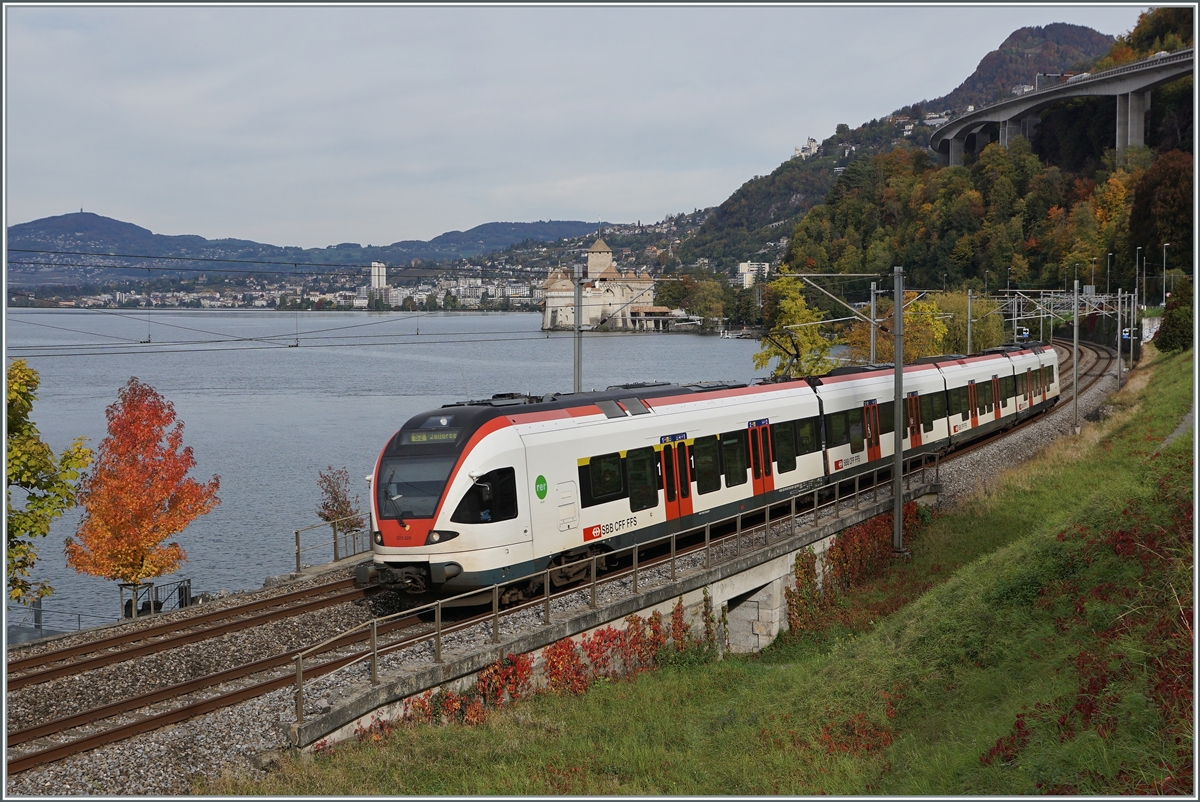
x=1130, y=84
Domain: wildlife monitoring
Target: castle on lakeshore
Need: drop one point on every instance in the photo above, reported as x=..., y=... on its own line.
x=612, y=299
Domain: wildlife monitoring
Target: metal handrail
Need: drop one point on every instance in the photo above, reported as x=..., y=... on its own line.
x=331, y=523
x=544, y=574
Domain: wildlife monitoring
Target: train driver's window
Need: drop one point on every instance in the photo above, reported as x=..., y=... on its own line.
x=492, y=497
x=642, y=466
x=856, y=430
x=606, y=476
x=706, y=453
x=733, y=457
x=783, y=436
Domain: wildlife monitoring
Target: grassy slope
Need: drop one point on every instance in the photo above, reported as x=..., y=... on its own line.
x=1004, y=616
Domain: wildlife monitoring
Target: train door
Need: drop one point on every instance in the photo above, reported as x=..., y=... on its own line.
x=913, y=408
x=997, y=397
x=871, y=426
x=760, y=456
x=1028, y=387
x=971, y=403
x=677, y=484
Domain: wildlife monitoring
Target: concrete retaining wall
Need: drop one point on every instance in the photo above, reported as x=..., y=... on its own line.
x=746, y=592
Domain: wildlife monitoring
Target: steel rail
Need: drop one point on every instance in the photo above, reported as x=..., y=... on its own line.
x=182, y=639
x=171, y=626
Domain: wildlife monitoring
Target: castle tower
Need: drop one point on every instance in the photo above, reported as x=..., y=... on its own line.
x=599, y=259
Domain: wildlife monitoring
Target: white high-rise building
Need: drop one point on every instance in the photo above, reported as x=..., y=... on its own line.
x=378, y=275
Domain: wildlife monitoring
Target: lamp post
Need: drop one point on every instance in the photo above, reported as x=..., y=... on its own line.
x=1107, y=274
x=943, y=282
x=985, y=281
x=1165, y=244
x=900, y=418
x=1094, y=258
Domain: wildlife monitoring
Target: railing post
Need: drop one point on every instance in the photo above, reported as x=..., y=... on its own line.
x=437, y=632
x=767, y=524
x=837, y=500
x=672, y=556
x=816, y=505
x=374, y=651
x=335, y=543
x=495, y=613
x=937, y=467
x=547, y=614
x=875, y=485
x=857, y=476
x=737, y=537
x=707, y=541
x=793, y=521
x=593, y=601
x=299, y=689
x=297, y=533
x=635, y=568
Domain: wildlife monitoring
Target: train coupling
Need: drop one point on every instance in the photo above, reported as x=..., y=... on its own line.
x=365, y=574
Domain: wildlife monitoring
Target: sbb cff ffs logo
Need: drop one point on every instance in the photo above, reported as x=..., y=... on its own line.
x=591, y=533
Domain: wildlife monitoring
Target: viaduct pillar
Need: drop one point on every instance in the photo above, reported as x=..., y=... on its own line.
x=1131, y=119
x=956, y=152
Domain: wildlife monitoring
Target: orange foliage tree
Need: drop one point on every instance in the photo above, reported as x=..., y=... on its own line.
x=138, y=493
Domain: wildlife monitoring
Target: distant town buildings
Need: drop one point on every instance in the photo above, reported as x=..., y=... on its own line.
x=750, y=273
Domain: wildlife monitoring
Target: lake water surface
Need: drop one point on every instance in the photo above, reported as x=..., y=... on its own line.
x=266, y=417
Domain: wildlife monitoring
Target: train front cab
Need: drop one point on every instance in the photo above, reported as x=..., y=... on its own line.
x=450, y=504
x=858, y=408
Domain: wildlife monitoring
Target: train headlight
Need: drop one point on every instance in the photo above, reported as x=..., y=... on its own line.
x=439, y=536
x=377, y=536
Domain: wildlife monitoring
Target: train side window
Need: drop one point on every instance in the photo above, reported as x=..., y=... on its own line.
x=783, y=442
x=808, y=437
x=492, y=497
x=837, y=432
x=707, y=453
x=641, y=464
x=1021, y=384
x=983, y=397
x=733, y=457
x=856, y=429
x=685, y=479
x=1008, y=388
x=1049, y=375
x=887, y=418
x=606, y=477
x=939, y=405
x=927, y=417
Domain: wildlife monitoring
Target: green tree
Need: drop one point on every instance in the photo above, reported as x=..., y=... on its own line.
x=46, y=484
x=1176, y=332
x=987, y=330
x=431, y=303
x=794, y=342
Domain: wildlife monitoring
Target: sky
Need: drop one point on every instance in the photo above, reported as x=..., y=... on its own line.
x=314, y=125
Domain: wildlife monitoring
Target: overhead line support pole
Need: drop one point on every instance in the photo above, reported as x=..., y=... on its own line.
x=873, y=322
x=1075, y=361
x=578, y=328
x=899, y=418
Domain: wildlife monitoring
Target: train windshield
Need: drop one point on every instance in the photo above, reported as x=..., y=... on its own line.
x=410, y=487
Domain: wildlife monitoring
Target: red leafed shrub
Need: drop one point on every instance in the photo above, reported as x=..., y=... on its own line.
x=600, y=647
x=418, y=710
x=564, y=670
x=506, y=679
x=679, y=627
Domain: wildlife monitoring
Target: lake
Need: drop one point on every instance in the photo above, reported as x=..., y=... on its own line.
x=266, y=417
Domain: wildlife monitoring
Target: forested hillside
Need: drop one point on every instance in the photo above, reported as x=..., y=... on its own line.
x=765, y=208
x=1010, y=214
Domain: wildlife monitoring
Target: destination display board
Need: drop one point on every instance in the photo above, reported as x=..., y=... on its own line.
x=424, y=438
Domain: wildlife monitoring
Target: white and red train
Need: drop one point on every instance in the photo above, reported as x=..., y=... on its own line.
x=480, y=492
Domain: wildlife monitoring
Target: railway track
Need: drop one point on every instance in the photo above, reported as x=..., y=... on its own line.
x=272, y=673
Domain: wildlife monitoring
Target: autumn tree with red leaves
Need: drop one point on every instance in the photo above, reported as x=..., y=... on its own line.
x=138, y=493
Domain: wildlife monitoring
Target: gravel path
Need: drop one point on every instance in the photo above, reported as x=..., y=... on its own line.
x=242, y=738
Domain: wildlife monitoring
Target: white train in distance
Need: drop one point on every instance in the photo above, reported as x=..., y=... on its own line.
x=480, y=492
